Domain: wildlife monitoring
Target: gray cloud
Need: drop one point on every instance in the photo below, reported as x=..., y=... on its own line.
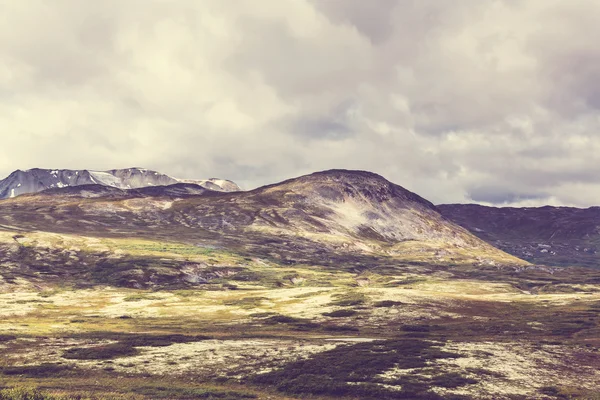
x=493, y=101
x=501, y=195
x=376, y=23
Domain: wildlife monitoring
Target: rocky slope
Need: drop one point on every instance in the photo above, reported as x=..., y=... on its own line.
x=352, y=204
x=546, y=235
x=36, y=180
x=300, y=220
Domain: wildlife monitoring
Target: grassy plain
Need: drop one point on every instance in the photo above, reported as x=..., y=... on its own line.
x=144, y=319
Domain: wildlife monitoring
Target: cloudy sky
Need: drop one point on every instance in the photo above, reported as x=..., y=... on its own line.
x=490, y=101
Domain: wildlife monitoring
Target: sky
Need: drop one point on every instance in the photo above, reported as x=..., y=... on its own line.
x=487, y=101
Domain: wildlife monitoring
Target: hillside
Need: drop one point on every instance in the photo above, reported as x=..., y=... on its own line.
x=334, y=285
x=340, y=213
x=545, y=235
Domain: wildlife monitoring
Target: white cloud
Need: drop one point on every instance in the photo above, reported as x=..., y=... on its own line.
x=466, y=100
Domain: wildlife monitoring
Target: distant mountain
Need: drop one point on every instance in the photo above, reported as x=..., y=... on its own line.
x=306, y=219
x=36, y=180
x=546, y=235
x=96, y=191
x=219, y=185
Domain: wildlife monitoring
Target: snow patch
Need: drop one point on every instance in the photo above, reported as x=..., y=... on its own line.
x=105, y=178
x=219, y=182
x=166, y=205
x=208, y=183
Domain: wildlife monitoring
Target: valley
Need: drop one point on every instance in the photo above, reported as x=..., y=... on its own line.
x=338, y=284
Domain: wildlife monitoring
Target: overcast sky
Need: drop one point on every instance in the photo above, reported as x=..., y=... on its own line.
x=490, y=101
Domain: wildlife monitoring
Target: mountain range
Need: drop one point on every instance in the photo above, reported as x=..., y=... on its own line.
x=36, y=180
x=337, y=212
x=130, y=284
x=338, y=209
x=558, y=236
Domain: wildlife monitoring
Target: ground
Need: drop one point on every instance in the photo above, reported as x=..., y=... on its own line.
x=501, y=341
x=114, y=318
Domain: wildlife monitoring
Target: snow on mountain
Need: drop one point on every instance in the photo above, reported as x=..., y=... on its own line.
x=221, y=185
x=35, y=180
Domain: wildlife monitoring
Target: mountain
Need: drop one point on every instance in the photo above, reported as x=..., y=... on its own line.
x=36, y=180
x=351, y=204
x=219, y=185
x=546, y=235
x=177, y=190
x=338, y=284
x=337, y=212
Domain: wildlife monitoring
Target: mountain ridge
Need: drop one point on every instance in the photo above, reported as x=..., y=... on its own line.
x=339, y=211
x=37, y=179
x=549, y=235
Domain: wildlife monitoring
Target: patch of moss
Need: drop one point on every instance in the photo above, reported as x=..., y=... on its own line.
x=452, y=380
x=330, y=372
x=340, y=328
x=349, y=299
x=37, y=371
x=165, y=392
x=23, y=393
x=7, y=338
x=340, y=313
x=282, y=319
x=104, y=352
x=143, y=340
x=246, y=302
x=387, y=303
x=140, y=297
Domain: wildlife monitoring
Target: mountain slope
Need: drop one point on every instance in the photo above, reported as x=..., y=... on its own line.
x=547, y=235
x=356, y=204
x=36, y=180
x=177, y=190
x=307, y=218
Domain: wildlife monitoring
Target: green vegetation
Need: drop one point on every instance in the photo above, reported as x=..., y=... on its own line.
x=21, y=393
x=144, y=247
x=154, y=392
x=349, y=299
x=246, y=302
x=140, y=297
x=286, y=327
x=150, y=392
x=40, y=371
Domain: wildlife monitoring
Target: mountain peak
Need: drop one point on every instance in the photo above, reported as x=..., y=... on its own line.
x=359, y=206
x=37, y=179
x=341, y=184
x=342, y=175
